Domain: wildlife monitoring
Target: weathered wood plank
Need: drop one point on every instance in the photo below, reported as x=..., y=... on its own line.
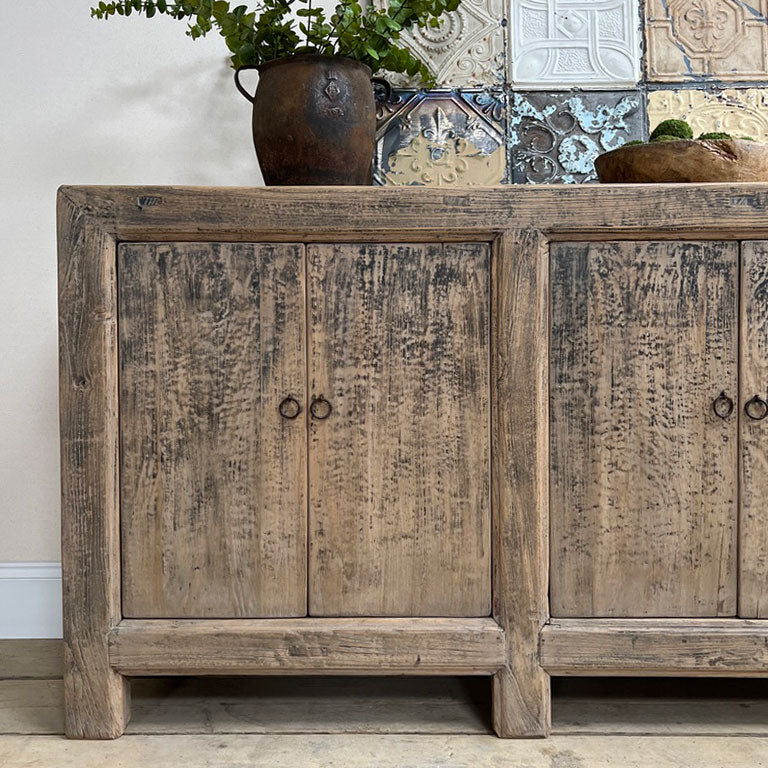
x=656, y=647
x=213, y=478
x=308, y=646
x=170, y=213
x=520, y=431
x=96, y=696
x=753, y=433
x=399, y=472
x=644, y=487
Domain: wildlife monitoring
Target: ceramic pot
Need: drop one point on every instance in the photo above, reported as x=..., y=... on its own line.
x=314, y=120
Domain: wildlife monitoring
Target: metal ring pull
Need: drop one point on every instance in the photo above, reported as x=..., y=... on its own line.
x=320, y=408
x=723, y=406
x=289, y=408
x=756, y=408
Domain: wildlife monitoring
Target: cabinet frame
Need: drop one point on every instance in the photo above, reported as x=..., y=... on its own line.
x=517, y=644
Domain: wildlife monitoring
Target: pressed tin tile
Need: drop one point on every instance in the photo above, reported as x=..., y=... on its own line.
x=586, y=43
x=466, y=50
x=741, y=112
x=442, y=139
x=693, y=39
x=555, y=137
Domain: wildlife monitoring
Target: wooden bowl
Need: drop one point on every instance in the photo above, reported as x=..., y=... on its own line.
x=684, y=161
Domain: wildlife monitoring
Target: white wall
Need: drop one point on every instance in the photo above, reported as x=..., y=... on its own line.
x=124, y=101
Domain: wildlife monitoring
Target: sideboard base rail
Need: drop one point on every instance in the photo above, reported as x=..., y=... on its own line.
x=655, y=647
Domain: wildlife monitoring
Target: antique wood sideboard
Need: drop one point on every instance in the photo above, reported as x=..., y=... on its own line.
x=515, y=431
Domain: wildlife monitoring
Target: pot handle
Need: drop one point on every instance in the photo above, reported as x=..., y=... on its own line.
x=240, y=85
x=387, y=87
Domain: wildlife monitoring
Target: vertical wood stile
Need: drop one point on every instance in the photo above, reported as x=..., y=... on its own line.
x=96, y=697
x=520, y=476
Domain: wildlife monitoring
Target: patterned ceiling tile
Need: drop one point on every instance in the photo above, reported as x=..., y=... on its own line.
x=555, y=137
x=585, y=43
x=467, y=50
x=742, y=112
x=693, y=39
x=443, y=139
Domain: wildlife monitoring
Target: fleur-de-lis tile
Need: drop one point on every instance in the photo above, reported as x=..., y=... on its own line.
x=555, y=137
x=441, y=139
x=695, y=39
x=466, y=50
x=585, y=43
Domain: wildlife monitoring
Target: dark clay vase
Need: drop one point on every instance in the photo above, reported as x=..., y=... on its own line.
x=314, y=120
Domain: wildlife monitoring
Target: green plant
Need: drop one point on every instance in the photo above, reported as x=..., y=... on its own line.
x=679, y=129
x=268, y=32
x=632, y=143
x=664, y=137
x=715, y=136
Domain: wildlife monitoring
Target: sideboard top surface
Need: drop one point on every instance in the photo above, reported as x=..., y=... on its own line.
x=707, y=211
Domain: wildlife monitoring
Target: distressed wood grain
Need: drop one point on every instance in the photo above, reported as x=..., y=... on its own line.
x=329, y=214
x=399, y=472
x=213, y=479
x=644, y=495
x=359, y=646
x=753, y=434
x=96, y=697
x=656, y=647
x=520, y=432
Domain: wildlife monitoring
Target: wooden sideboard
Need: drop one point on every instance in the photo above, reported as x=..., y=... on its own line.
x=514, y=431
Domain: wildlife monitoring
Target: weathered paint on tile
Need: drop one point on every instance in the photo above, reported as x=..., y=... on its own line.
x=443, y=139
x=741, y=112
x=695, y=39
x=466, y=50
x=584, y=43
x=555, y=137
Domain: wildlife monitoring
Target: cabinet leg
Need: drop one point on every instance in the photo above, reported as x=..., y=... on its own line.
x=521, y=703
x=97, y=702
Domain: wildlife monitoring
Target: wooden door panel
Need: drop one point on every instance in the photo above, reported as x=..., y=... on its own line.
x=213, y=480
x=753, y=434
x=643, y=473
x=399, y=472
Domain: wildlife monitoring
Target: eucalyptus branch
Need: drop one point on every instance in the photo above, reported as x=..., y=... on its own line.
x=269, y=32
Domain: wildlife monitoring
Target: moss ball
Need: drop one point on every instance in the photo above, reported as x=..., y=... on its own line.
x=678, y=129
x=657, y=139
x=716, y=136
x=746, y=138
x=632, y=143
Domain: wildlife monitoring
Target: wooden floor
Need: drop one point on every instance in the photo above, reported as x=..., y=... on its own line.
x=397, y=723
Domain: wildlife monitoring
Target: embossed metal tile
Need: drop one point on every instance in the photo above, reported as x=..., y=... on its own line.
x=741, y=112
x=691, y=39
x=442, y=139
x=467, y=50
x=555, y=137
x=585, y=43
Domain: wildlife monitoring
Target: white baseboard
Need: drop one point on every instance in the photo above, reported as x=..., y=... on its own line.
x=30, y=600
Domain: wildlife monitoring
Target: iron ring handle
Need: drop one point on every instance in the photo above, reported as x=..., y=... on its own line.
x=759, y=403
x=320, y=408
x=722, y=406
x=240, y=86
x=289, y=408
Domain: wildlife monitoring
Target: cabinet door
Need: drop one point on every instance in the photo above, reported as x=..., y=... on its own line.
x=212, y=478
x=753, y=528
x=643, y=471
x=399, y=470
